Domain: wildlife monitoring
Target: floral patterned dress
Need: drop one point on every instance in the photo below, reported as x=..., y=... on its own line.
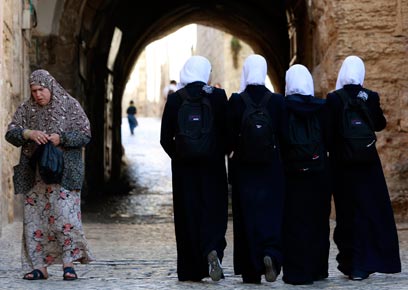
x=52, y=221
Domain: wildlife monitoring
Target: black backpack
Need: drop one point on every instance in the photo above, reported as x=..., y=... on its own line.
x=357, y=129
x=195, y=137
x=304, y=149
x=257, y=137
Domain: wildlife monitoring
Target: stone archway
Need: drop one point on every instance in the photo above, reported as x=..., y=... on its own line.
x=95, y=29
x=318, y=34
x=240, y=19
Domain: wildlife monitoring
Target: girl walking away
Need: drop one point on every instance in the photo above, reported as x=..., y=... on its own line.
x=256, y=175
x=365, y=232
x=306, y=228
x=199, y=178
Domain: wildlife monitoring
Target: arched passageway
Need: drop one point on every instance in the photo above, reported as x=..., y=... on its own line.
x=279, y=30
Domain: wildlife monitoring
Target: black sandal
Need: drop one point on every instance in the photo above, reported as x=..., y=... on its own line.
x=37, y=275
x=70, y=270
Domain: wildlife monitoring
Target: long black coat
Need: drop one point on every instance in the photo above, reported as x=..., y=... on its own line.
x=200, y=190
x=306, y=227
x=365, y=232
x=257, y=194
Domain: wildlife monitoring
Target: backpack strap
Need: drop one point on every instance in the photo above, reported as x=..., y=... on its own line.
x=265, y=99
x=184, y=94
x=345, y=97
x=248, y=100
x=200, y=97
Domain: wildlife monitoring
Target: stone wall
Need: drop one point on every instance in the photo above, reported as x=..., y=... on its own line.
x=215, y=45
x=377, y=32
x=14, y=43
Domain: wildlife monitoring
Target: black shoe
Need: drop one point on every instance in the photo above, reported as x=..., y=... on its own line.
x=215, y=269
x=270, y=270
x=251, y=280
x=319, y=277
x=70, y=274
x=358, y=275
x=35, y=274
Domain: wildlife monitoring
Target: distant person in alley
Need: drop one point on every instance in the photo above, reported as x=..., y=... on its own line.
x=168, y=90
x=193, y=129
x=171, y=88
x=52, y=226
x=131, y=115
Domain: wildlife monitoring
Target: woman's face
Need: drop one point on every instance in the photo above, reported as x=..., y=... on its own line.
x=41, y=95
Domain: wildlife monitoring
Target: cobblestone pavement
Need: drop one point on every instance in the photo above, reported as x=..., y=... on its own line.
x=133, y=239
x=143, y=256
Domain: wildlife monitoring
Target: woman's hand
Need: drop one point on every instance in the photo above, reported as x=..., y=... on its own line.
x=38, y=137
x=54, y=138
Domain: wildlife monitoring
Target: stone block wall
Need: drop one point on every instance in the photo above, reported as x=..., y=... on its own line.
x=215, y=45
x=13, y=89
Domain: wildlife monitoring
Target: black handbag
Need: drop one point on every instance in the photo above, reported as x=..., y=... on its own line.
x=50, y=163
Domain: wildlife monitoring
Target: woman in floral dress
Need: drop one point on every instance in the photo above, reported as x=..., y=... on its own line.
x=52, y=228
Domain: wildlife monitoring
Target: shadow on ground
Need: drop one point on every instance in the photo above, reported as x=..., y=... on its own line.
x=128, y=202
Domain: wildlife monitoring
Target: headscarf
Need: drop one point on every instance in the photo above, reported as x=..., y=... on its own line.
x=352, y=71
x=196, y=68
x=299, y=81
x=254, y=71
x=62, y=114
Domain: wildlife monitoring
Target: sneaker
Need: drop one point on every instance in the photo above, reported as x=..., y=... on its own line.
x=215, y=269
x=270, y=271
x=358, y=275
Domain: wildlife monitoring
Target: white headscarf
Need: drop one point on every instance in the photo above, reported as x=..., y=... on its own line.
x=299, y=81
x=254, y=71
x=352, y=71
x=196, y=68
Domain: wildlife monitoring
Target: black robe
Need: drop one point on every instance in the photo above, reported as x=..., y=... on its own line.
x=200, y=190
x=257, y=194
x=306, y=226
x=365, y=232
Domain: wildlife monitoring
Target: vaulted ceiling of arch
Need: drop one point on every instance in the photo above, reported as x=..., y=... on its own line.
x=260, y=23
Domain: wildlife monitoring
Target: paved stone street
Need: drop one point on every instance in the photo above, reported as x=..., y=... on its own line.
x=133, y=239
x=143, y=256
